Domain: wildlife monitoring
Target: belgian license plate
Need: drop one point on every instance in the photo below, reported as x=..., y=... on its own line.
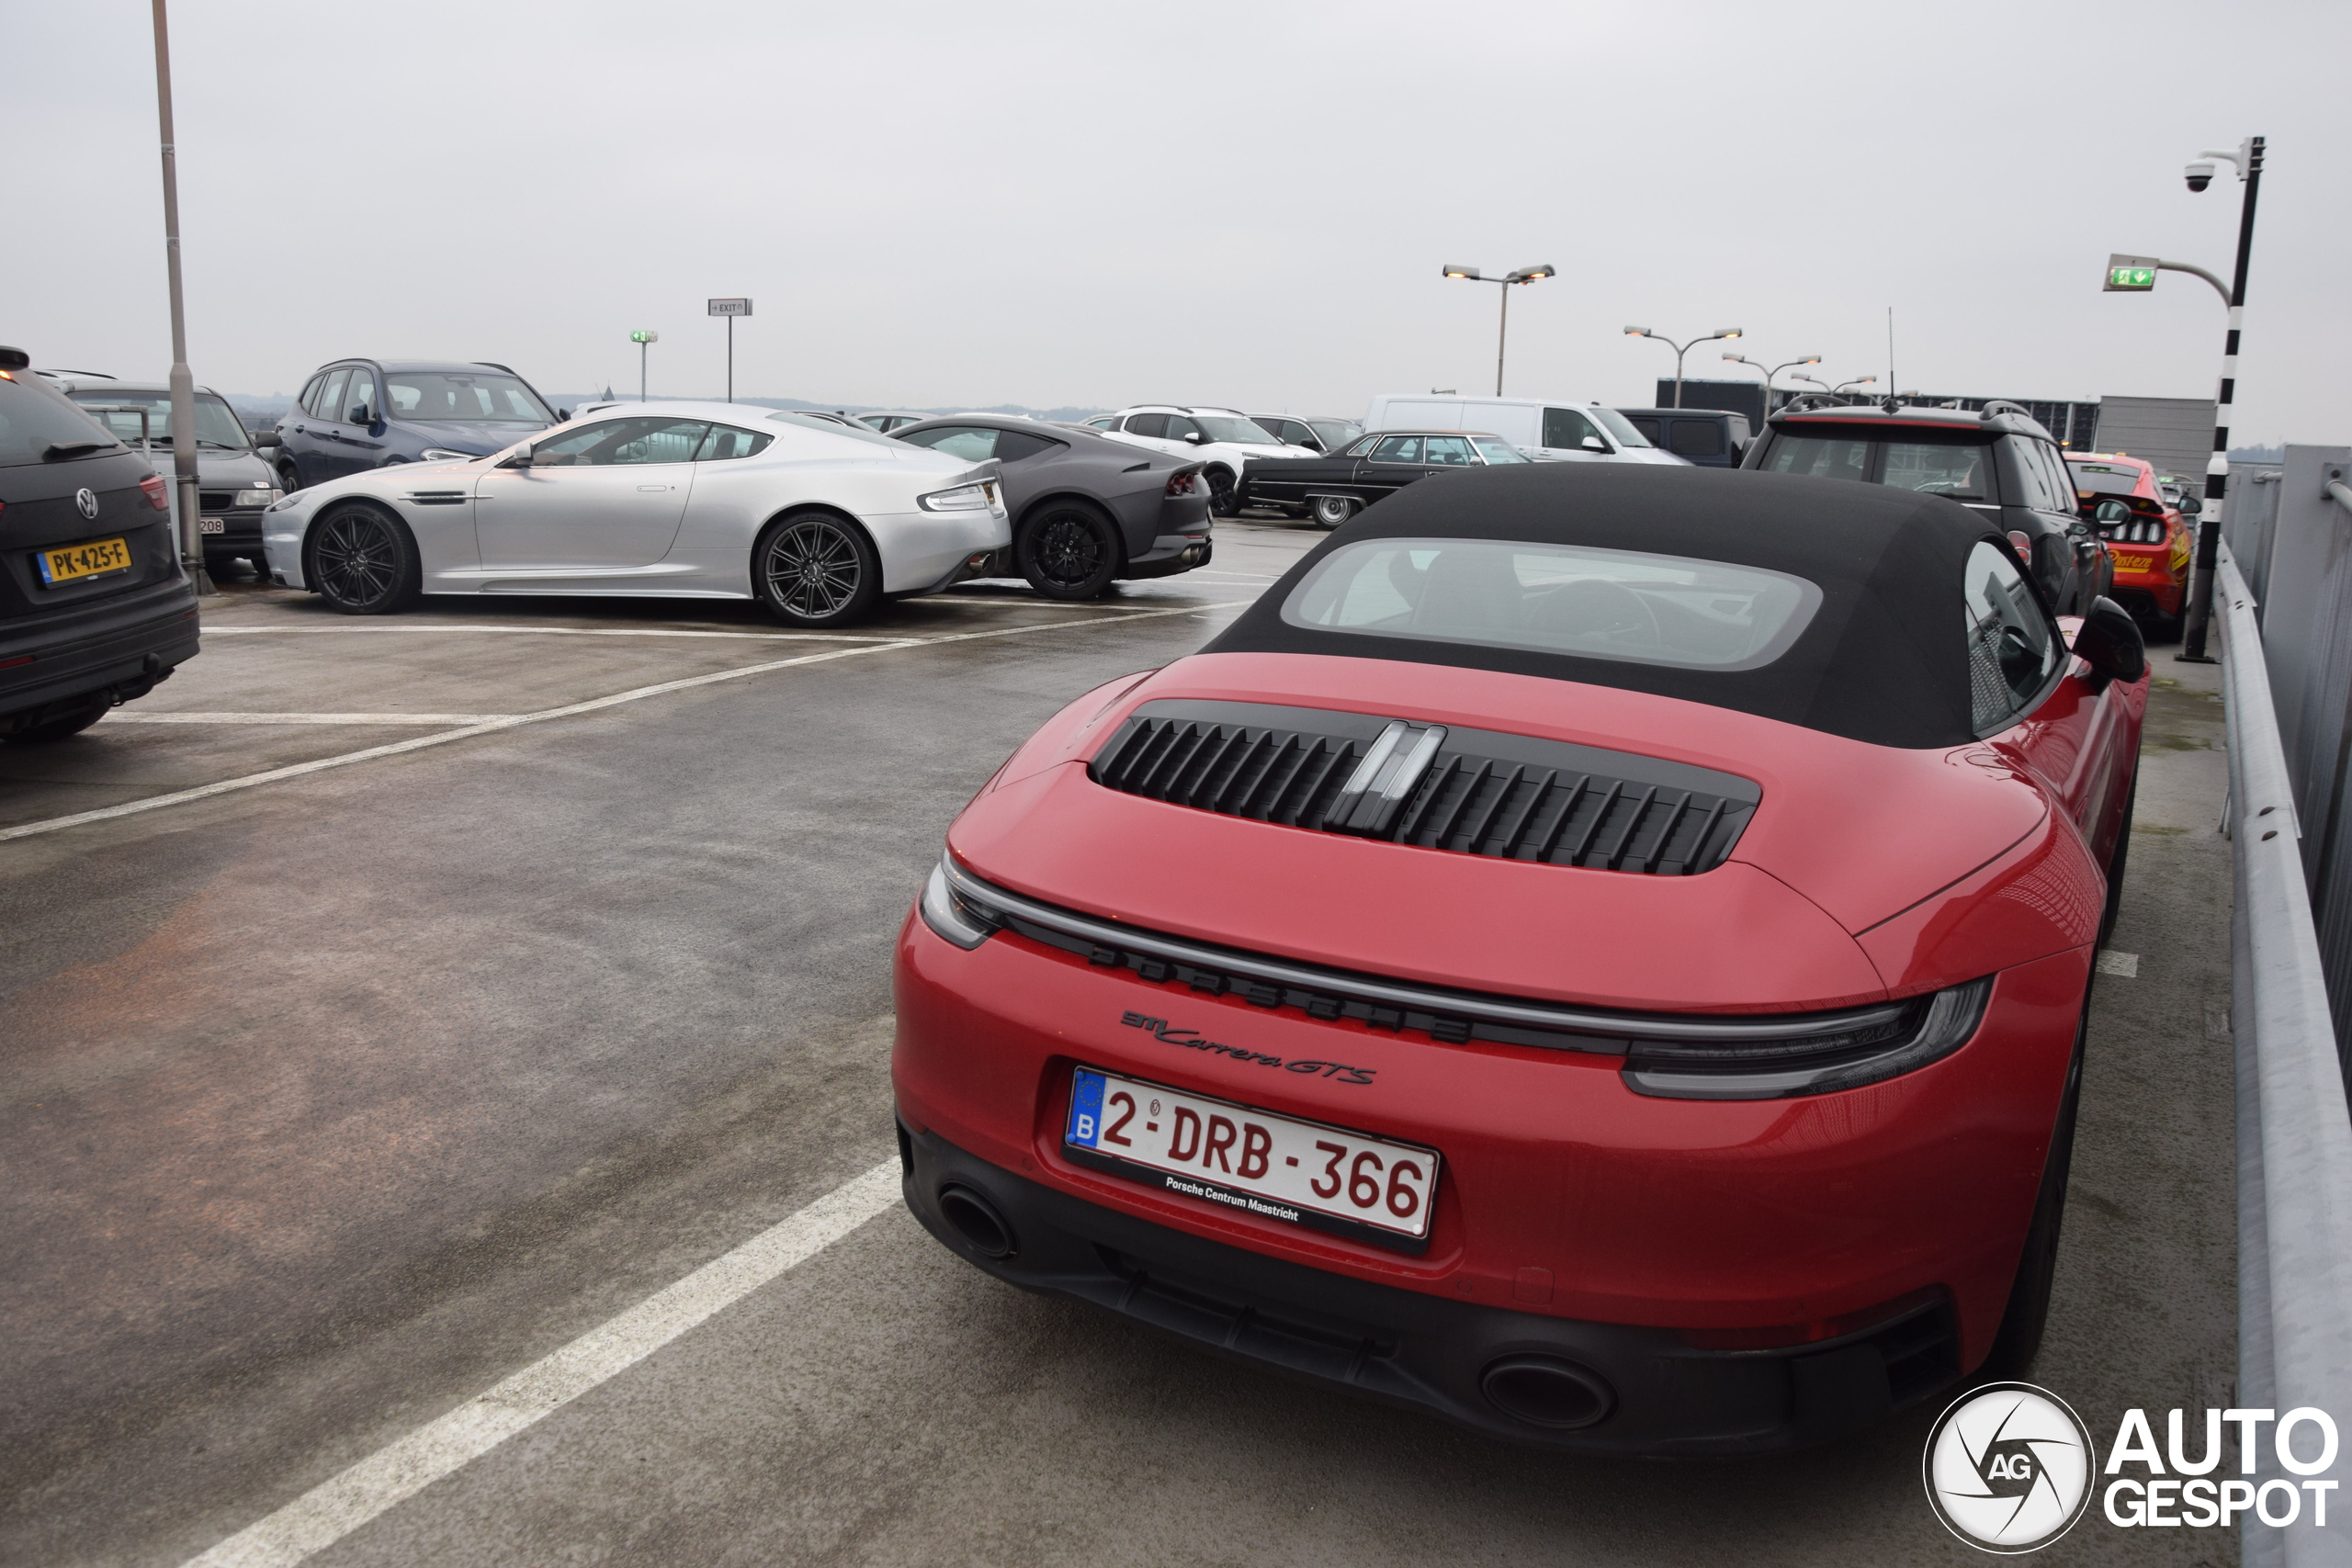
x=212, y=524
x=69, y=563
x=1279, y=1167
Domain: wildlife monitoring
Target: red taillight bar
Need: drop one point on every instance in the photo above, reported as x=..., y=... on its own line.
x=159, y=495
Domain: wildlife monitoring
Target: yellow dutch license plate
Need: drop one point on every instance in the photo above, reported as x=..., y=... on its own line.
x=70, y=563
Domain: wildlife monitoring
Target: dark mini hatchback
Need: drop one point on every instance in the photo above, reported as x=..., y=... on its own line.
x=94, y=607
x=1997, y=462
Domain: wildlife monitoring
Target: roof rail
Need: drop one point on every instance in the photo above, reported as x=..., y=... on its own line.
x=1805, y=400
x=2003, y=405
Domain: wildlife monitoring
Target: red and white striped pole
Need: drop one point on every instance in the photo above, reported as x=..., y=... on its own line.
x=2217, y=467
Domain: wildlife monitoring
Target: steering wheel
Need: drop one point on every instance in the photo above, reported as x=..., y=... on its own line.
x=1595, y=605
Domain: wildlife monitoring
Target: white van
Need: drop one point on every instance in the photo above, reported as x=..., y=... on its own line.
x=1546, y=429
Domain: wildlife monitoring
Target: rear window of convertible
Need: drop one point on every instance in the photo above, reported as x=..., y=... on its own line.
x=1545, y=598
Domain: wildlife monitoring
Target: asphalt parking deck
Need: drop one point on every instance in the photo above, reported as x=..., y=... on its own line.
x=331, y=1100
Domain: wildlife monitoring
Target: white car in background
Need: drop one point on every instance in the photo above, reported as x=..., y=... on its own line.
x=1550, y=430
x=817, y=520
x=1221, y=439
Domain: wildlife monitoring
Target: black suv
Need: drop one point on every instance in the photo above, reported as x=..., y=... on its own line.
x=1712, y=438
x=94, y=607
x=1997, y=461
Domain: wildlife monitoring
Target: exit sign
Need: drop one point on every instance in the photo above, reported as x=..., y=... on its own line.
x=730, y=306
x=2129, y=274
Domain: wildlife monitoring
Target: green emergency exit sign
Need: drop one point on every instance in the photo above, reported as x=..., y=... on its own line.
x=2129, y=274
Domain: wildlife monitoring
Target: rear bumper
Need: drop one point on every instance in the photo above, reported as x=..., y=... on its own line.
x=1625, y=1389
x=1170, y=554
x=120, y=646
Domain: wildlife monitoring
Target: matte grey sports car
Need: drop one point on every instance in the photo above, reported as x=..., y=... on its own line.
x=1086, y=511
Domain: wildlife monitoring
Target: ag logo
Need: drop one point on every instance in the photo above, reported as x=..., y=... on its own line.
x=2008, y=1468
x=87, y=502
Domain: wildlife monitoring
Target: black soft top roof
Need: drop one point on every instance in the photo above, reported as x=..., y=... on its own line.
x=1883, y=659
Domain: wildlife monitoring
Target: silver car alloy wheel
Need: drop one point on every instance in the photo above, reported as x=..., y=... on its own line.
x=812, y=568
x=1330, y=510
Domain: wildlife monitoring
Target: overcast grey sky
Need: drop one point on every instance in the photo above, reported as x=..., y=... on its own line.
x=1051, y=203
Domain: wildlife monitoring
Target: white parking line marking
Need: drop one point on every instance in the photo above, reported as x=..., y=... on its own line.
x=335, y=1508
x=516, y=721
x=427, y=719
x=2127, y=964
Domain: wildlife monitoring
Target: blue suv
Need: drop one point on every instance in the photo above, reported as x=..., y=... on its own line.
x=364, y=413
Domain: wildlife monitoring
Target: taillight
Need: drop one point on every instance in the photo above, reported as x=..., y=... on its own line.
x=1181, y=484
x=159, y=495
x=2022, y=543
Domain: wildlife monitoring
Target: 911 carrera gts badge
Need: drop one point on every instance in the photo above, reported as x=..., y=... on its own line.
x=1173, y=1034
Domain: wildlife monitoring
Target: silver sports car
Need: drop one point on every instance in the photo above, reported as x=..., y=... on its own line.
x=818, y=521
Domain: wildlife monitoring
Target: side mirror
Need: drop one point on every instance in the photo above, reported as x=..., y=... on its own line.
x=2078, y=529
x=1595, y=443
x=562, y=415
x=1193, y=437
x=2112, y=511
x=361, y=414
x=268, y=438
x=2111, y=643
x=521, y=460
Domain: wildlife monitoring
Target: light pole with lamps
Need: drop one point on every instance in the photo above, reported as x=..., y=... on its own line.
x=1772, y=371
x=1680, y=349
x=641, y=339
x=1857, y=381
x=1523, y=275
x=183, y=381
x=2137, y=275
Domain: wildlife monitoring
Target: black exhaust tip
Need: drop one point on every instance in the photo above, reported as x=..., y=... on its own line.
x=976, y=1221
x=1545, y=1391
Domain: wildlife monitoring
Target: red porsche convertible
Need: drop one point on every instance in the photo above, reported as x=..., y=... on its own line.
x=1597, y=953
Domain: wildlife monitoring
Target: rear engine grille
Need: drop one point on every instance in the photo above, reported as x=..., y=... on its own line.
x=2139, y=531
x=1469, y=791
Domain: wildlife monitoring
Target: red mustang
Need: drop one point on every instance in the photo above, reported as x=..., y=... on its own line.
x=1597, y=953
x=2147, y=537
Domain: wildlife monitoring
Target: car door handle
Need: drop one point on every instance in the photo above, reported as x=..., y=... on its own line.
x=654, y=487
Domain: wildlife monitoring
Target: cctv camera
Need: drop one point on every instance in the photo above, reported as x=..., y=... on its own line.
x=2200, y=176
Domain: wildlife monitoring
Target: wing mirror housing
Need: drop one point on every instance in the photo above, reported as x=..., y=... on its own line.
x=521, y=459
x=268, y=438
x=1595, y=443
x=2110, y=642
x=1193, y=436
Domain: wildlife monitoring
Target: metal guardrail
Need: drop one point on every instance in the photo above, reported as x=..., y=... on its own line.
x=2294, y=1132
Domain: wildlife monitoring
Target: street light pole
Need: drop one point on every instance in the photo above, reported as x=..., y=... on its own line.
x=1682, y=348
x=1525, y=275
x=2248, y=159
x=183, y=469
x=1775, y=370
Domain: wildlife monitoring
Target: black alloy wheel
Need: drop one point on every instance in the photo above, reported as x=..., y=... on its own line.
x=1221, y=503
x=1068, y=551
x=813, y=569
x=1330, y=510
x=364, y=563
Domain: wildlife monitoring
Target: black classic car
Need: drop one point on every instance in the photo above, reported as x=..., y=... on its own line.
x=1087, y=511
x=1332, y=489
